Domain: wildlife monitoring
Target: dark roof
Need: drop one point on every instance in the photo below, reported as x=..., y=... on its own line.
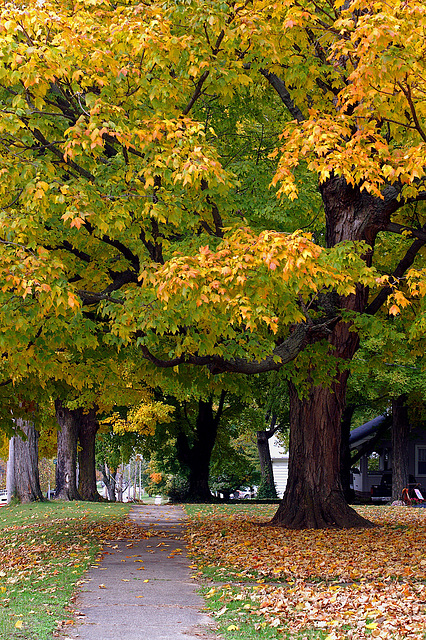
x=365, y=431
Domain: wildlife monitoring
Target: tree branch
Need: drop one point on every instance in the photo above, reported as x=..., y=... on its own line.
x=287, y=351
x=406, y=262
x=58, y=153
x=197, y=92
x=283, y=93
x=93, y=297
x=125, y=251
x=394, y=227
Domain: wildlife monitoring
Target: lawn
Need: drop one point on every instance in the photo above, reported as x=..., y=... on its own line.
x=267, y=583
x=259, y=582
x=45, y=548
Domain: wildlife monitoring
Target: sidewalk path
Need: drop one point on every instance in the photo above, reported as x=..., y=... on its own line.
x=142, y=590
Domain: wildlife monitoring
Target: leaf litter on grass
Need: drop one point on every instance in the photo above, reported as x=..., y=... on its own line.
x=347, y=584
x=43, y=558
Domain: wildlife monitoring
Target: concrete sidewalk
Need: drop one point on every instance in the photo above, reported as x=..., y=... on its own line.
x=142, y=589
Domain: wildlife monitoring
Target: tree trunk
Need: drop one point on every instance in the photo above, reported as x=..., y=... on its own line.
x=66, y=475
x=109, y=480
x=400, y=435
x=87, y=429
x=197, y=457
x=10, y=472
x=266, y=469
x=119, y=484
x=265, y=457
x=314, y=497
x=26, y=478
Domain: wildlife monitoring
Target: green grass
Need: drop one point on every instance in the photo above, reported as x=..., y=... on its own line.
x=45, y=548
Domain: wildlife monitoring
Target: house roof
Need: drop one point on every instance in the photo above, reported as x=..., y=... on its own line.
x=366, y=431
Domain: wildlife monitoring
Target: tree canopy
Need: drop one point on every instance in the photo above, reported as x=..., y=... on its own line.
x=112, y=177
x=126, y=212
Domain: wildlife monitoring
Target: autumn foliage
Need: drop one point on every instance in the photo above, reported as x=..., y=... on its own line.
x=347, y=584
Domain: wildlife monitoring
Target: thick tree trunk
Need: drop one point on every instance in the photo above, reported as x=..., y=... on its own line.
x=26, y=481
x=314, y=496
x=197, y=457
x=400, y=435
x=200, y=453
x=66, y=474
x=87, y=429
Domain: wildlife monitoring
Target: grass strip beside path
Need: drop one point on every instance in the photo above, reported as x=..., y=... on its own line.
x=45, y=548
x=269, y=583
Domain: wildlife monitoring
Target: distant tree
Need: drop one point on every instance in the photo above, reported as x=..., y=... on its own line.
x=24, y=481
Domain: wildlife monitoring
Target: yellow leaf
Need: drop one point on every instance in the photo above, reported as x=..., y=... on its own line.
x=232, y=627
x=372, y=625
x=19, y=624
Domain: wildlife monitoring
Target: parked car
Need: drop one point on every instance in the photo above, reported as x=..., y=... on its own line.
x=382, y=492
x=244, y=494
x=3, y=498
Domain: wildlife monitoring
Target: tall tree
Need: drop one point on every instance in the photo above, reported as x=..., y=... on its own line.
x=400, y=441
x=267, y=472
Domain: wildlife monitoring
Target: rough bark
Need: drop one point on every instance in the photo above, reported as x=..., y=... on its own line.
x=314, y=498
x=196, y=457
x=66, y=473
x=400, y=435
x=26, y=480
x=314, y=495
x=87, y=429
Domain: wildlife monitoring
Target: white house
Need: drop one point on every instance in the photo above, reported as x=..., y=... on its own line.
x=279, y=457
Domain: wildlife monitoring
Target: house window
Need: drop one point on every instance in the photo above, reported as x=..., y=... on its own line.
x=420, y=461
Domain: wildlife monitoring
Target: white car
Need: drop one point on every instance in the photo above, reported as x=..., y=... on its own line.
x=244, y=494
x=3, y=498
